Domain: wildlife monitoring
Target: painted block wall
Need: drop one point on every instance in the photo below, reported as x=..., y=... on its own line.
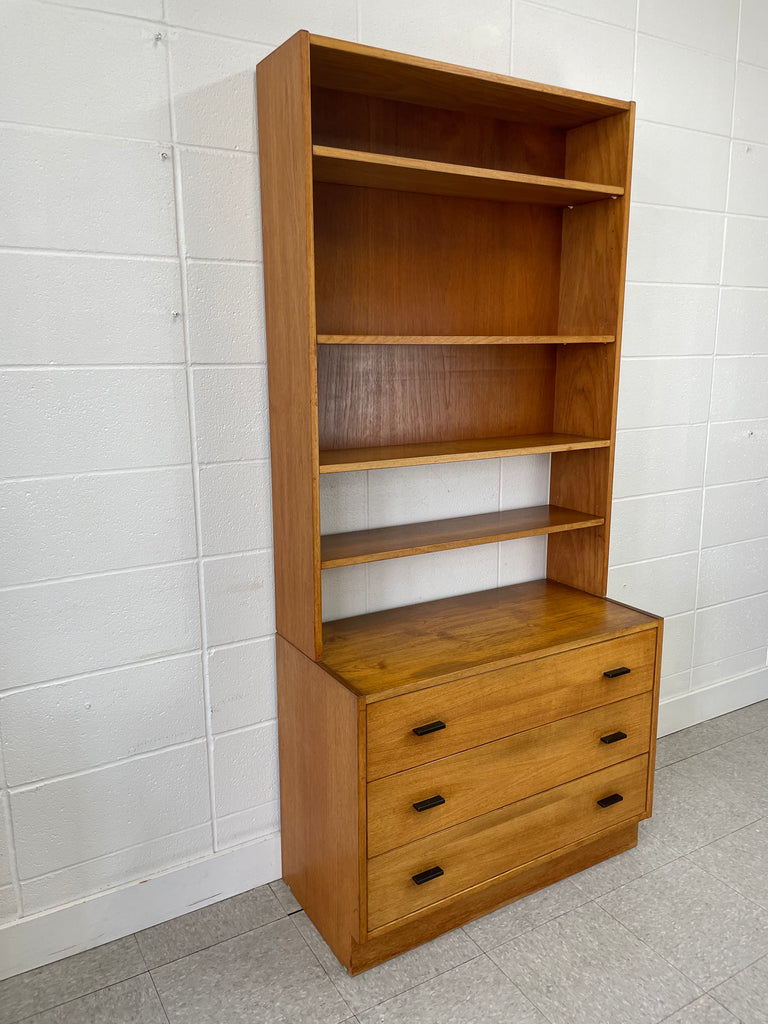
x=137, y=703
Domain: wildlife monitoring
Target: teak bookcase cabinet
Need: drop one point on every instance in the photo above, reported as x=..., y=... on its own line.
x=444, y=255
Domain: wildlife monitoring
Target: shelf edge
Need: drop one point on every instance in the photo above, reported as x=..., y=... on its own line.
x=468, y=456
x=584, y=522
x=469, y=339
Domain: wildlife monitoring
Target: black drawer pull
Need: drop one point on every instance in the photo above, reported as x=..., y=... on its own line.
x=613, y=672
x=613, y=737
x=608, y=801
x=427, y=876
x=422, y=730
x=432, y=801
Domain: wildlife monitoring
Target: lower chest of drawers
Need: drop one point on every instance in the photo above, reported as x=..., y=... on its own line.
x=407, y=813
x=503, y=768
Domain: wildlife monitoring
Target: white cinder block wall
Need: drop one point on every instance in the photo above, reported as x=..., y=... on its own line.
x=137, y=707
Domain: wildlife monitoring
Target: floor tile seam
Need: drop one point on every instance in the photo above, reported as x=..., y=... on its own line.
x=643, y=874
x=532, y=927
x=159, y=997
x=512, y=981
x=526, y=995
x=704, y=787
x=350, y=1011
x=716, y=746
x=755, y=904
x=657, y=953
x=74, y=999
x=481, y=954
x=711, y=993
x=736, y=831
x=218, y=942
x=680, y=1010
x=741, y=895
x=135, y=937
x=725, y=835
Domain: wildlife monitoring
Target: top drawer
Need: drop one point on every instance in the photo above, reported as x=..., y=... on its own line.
x=486, y=707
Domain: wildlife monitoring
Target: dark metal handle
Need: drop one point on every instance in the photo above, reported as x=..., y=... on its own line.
x=422, y=730
x=613, y=737
x=432, y=801
x=608, y=801
x=613, y=672
x=427, y=876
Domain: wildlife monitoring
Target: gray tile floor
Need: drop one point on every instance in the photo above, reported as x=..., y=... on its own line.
x=674, y=931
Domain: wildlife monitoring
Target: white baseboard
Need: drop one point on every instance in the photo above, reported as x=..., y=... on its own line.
x=42, y=938
x=701, y=705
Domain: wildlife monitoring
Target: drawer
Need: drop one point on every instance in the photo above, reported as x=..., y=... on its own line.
x=486, y=707
x=493, y=843
x=478, y=780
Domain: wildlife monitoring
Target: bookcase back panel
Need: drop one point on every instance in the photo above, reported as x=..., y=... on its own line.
x=397, y=394
x=402, y=263
x=355, y=121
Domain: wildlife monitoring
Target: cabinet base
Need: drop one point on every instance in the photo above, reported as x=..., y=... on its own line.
x=391, y=942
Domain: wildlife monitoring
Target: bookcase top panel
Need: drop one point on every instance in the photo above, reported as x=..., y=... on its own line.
x=351, y=67
x=383, y=653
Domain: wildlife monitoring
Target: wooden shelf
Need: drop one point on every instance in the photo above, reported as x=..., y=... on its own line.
x=404, y=174
x=354, y=68
x=439, y=535
x=402, y=649
x=429, y=452
x=470, y=339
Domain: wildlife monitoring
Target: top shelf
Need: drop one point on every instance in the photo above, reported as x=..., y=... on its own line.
x=352, y=67
x=466, y=339
x=404, y=174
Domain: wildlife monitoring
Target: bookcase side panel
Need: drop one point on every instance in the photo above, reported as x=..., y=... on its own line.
x=586, y=389
x=320, y=800
x=285, y=157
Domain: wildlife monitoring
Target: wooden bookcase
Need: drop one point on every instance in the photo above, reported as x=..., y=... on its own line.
x=444, y=256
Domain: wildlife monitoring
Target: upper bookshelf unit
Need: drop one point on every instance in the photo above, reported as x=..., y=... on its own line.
x=444, y=258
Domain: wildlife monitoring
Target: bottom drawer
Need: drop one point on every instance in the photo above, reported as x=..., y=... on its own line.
x=465, y=855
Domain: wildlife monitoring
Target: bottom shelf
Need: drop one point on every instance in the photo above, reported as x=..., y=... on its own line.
x=394, y=651
x=339, y=549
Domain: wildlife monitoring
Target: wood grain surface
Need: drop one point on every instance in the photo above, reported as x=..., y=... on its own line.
x=390, y=262
x=383, y=653
x=479, y=339
x=488, y=706
x=286, y=211
x=351, y=67
x=401, y=394
x=493, y=843
x=321, y=802
x=442, y=534
x=429, y=452
x=395, y=938
x=432, y=177
x=494, y=774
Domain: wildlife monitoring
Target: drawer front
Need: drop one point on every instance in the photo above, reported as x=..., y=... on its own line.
x=484, y=847
x=405, y=807
x=486, y=707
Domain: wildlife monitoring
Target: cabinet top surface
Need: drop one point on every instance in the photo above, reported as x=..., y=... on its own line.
x=353, y=67
x=384, y=653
